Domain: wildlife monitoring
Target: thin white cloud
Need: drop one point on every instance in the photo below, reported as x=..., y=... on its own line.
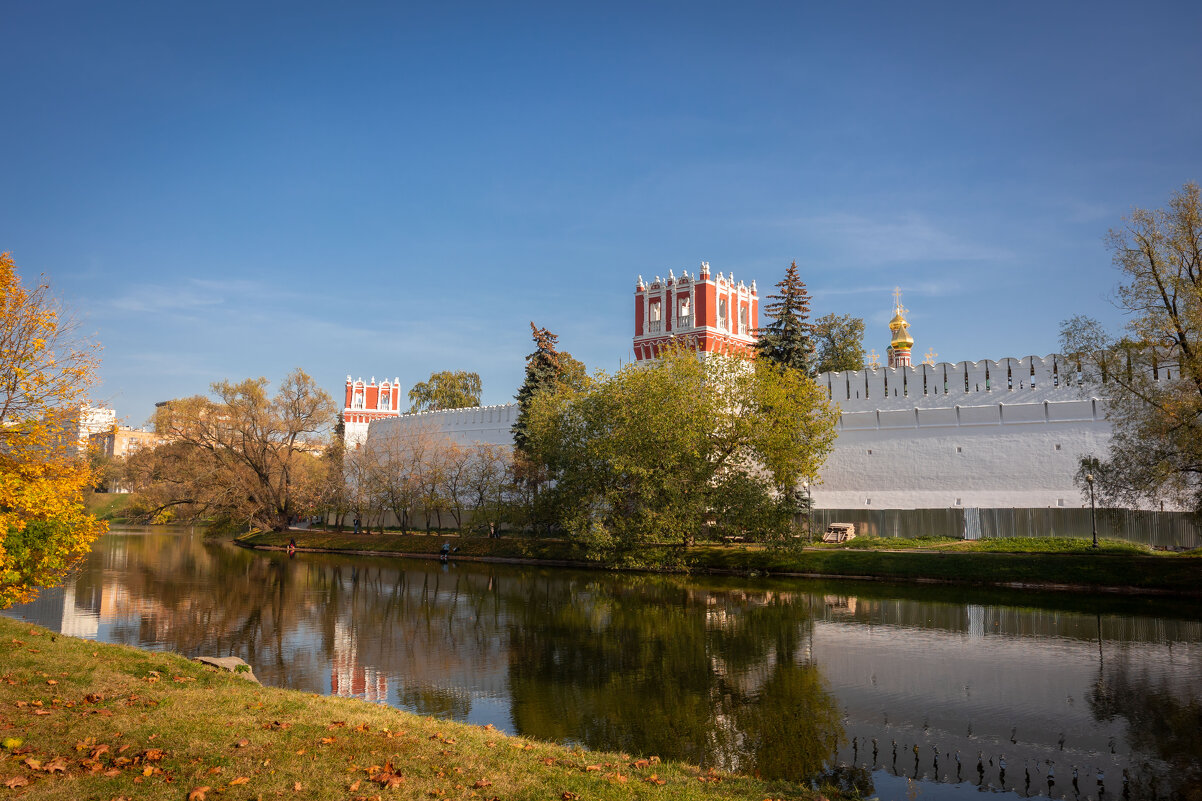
x=192, y=294
x=925, y=288
x=907, y=238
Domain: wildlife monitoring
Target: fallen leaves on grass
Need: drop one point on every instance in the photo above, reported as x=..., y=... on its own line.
x=16, y=782
x=239, y=780
x=242, y=743
x=198, y=793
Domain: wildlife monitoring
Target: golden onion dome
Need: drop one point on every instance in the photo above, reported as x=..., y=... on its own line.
x=899, y=326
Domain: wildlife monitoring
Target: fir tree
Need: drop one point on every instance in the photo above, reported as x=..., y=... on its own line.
x=788, y=340
x=543, y=371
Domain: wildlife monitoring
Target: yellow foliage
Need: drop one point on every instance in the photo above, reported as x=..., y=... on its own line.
x=45, y=374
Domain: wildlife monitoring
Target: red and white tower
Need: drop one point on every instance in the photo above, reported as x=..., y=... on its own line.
x=708, y=313
x=367, y=402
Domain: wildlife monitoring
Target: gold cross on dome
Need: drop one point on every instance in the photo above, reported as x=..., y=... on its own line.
x=930, y=357
x=874, y=359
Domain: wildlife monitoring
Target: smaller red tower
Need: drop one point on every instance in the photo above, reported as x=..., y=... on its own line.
x=710, y=314
x=367, y=402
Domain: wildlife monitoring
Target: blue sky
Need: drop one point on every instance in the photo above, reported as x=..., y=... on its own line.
x=225, y=190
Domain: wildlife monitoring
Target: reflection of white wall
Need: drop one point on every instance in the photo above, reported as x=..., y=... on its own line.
x=78, y=622
x=988, y=685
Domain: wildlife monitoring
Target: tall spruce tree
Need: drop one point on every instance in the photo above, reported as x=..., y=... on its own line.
x=544, y=370
x=788, y=340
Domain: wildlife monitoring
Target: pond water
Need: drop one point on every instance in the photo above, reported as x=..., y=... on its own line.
x=903, y=691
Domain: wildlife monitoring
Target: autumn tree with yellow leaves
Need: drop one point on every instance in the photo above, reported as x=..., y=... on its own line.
x=45, y=374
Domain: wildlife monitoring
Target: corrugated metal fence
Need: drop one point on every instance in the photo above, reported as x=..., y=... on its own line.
x=1164, y=529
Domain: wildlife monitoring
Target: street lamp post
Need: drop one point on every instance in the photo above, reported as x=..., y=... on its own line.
x=809, y=512
x=1093, y=516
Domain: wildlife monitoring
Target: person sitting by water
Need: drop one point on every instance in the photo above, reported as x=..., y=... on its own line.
x=292, y=546
x=445, y=552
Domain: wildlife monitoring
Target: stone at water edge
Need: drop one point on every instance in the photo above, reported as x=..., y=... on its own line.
x=233, y=664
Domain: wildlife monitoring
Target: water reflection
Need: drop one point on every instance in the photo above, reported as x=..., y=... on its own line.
x=888, y=690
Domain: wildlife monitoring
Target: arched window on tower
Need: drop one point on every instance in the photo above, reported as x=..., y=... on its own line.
x=655, y=316
x=743, y=320
x=357, y=399
x=684, y=312
x=723, y=319
x=385, y=398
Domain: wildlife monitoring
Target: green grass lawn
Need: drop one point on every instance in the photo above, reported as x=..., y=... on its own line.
x=999, y=545
x=107, y=505
x=80, y=719
x=1035, y=561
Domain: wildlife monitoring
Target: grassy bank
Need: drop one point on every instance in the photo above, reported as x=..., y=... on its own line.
x=1053, y=563
x=107, y=505
x=85, y=720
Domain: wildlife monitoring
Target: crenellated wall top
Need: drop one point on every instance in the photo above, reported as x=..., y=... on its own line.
x=1026, y=379
x=457, y=412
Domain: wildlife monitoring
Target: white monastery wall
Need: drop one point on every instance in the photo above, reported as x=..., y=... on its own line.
x=1013, y=439
x=998, y=456
x=487, y=424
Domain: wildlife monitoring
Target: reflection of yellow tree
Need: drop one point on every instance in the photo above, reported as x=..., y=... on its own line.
x=44, y=377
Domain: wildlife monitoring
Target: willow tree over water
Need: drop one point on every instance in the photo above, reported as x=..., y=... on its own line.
x=242, y=456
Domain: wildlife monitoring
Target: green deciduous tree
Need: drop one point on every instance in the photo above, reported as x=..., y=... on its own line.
x=840, y=340
x=1151, y=377
x=45, y=374
x=789, y=339
x=446, y=390
x=680, y=447
x=243, y=456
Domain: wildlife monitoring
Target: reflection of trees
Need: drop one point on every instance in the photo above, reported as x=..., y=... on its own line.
x=790, y=729
x=1164, y=723
x=437, y=702
x=652, y=667
x=189, y=595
